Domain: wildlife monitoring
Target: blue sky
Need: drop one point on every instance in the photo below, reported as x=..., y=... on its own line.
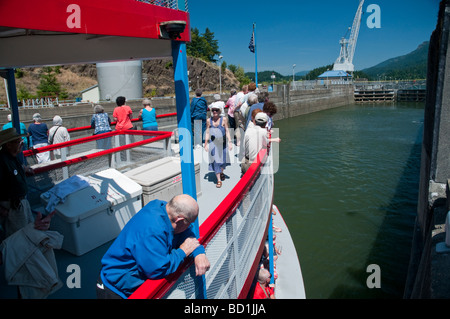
x=307, y=33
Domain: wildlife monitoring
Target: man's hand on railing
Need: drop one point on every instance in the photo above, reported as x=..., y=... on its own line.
x=201, y=264
x=189, y=245
x=201, y=261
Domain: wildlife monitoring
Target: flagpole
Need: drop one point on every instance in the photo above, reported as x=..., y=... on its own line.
x=256, y=55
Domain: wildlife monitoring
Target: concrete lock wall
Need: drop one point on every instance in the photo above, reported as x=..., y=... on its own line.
x=289, y=104
x=428, y=274
x=296, y=103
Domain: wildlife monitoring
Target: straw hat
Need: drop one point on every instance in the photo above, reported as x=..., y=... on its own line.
x=9, y=135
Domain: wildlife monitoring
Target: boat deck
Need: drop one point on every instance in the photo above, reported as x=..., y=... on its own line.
x=89, y=263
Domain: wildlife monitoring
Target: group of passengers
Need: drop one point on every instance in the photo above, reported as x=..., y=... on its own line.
x=164, y=230
x=38, y=135
x=122, y=115
x=18, y=222
x=249, y=117
x=155, y=241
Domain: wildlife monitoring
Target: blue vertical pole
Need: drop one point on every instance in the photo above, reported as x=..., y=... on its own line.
x=8, y=74
x=184, y=129
x=256, y=55
x=184, y=117
x=12, y=94
x=271, y=249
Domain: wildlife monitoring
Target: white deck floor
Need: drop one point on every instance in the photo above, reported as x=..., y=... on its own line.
x=211, y=195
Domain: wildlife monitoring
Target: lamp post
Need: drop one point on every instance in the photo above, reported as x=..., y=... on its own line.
x=220, y=74
x=327, y=77
x=293, y=75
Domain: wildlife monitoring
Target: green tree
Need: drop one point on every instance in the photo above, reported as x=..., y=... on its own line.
x=23, y=94
x=203, y=46
x=212, y=50
x=313, y=74
x=224, y=66
x=241, y=77
x=193, y=47
x=232, y=68
x=49, y=85
x=360, y=75
x=19, y=73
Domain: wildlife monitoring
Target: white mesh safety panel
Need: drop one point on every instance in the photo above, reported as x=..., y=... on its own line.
x=234, y=248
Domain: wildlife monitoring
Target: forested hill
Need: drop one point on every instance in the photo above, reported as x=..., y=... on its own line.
x=265, y=76
x=410, y=66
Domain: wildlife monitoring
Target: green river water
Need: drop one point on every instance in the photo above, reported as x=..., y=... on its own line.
x=347, y=187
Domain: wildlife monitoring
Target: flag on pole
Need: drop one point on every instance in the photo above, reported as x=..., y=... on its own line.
x=251, y=46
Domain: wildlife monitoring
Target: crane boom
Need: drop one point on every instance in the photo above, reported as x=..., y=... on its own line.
x=345, y=60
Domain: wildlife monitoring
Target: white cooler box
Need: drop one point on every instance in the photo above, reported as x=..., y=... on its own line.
x=161, y=179
x=92, y=216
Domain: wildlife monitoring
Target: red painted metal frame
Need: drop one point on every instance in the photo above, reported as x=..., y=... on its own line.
x=128, y=18
x=156, y=289
x=161, y=135
x=83, y=128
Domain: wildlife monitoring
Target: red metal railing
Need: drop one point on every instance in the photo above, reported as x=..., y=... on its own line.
x=155, y=289
x=84, y=128
x=160, y=135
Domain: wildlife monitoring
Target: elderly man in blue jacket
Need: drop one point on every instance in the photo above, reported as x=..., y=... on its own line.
x=151, y=246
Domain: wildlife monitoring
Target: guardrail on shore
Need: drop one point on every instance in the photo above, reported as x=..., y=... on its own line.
x=88, y=127
x=390, y=91
x=390, y=85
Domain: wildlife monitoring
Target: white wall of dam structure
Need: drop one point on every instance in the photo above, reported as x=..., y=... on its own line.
x=122, y=78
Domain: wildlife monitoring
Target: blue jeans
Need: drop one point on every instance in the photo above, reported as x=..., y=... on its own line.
x=104, y=143
x=150, y=128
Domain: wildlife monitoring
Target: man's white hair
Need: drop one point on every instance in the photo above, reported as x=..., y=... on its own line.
x=263, y=275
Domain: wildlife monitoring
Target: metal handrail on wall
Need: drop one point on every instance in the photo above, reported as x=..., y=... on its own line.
x=88, y=127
